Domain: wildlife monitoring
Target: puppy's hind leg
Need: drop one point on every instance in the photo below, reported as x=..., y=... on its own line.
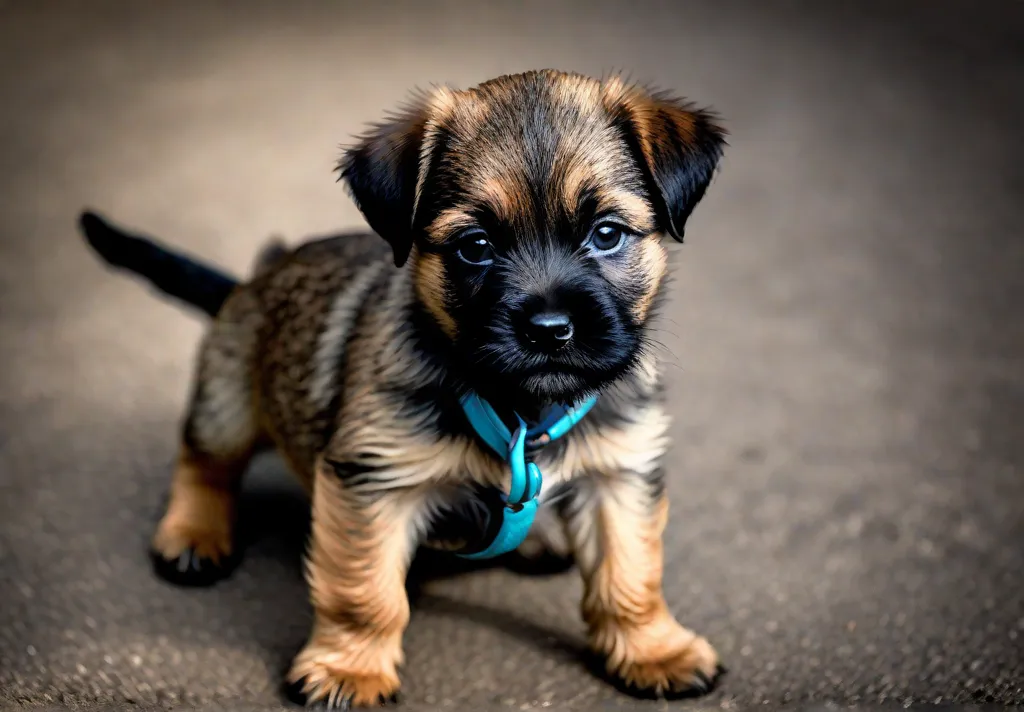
x=194, y=542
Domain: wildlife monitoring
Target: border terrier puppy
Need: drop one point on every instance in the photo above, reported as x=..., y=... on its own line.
x=522, y=260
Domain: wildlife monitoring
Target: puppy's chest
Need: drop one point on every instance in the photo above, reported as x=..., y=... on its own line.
x=429, y=459
x=452, y=503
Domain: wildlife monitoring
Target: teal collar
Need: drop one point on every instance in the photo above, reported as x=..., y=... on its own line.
x=513, y=512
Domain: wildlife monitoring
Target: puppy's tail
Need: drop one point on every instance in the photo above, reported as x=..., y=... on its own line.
x=198, y=285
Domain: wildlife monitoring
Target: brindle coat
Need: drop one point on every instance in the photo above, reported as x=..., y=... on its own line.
x=340, y=360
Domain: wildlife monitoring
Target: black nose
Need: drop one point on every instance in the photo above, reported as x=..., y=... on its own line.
x=549, y=330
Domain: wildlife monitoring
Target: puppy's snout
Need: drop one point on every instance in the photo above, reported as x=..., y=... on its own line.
x=548, y=330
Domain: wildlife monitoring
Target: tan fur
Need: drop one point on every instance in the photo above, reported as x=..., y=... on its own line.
x=626, y=615
x=653, y=264
x=635, y=447
x=314, y=354
x=356, y=572
x=200, y=516
x=431, y=289
x=504, y=195
x=446, y=224
x=439, y=105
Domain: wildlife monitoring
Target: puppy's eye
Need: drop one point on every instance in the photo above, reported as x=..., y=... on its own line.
x=607, y=237
x=475, y=249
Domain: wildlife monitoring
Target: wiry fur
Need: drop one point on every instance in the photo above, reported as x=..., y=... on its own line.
x=353, y=368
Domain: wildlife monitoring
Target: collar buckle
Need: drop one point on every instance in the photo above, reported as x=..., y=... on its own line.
x=526, y=480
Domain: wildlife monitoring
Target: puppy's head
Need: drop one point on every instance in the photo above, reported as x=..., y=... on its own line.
x=531, y=210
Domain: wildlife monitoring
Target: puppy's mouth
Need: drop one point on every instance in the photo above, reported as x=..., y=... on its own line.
x=556, y=386
x=564, y=378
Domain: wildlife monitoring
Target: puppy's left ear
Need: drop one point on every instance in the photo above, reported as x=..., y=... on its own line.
x=382, y=172
x=677, y=145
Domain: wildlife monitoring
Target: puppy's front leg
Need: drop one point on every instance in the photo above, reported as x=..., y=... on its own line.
x=361, y=546
x=616, y=523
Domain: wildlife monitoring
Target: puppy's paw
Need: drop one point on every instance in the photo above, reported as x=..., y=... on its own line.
x=333, y=696
x=191, y=556
x=662, y=660
x=691, y=671
x=327, y=683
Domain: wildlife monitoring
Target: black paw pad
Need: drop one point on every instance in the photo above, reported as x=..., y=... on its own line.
x=700, y=685
x=294, y=693
x=190, y=569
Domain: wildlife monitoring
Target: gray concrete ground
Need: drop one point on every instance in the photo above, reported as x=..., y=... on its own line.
x=846, y=340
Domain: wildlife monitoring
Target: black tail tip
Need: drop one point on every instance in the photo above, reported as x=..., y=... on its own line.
x=91, y=224
x=103, y=237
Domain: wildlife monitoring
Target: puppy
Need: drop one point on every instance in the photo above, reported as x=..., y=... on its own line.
x=522, y=260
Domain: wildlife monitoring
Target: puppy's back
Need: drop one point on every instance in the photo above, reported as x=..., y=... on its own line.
x=312, y=299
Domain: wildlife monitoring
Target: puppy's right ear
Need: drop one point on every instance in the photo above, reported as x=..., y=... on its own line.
x=677, y=145
x=382, y=172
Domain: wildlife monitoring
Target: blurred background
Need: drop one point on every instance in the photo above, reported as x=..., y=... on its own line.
x=845, y=332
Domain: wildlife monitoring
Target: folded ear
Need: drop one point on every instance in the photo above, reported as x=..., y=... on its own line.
x=382, y=172
x=677, y=145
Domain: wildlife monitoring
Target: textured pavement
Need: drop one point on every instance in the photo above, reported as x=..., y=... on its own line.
x=846, y=342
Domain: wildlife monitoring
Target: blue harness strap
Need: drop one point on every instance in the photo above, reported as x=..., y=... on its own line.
x=519, y=505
